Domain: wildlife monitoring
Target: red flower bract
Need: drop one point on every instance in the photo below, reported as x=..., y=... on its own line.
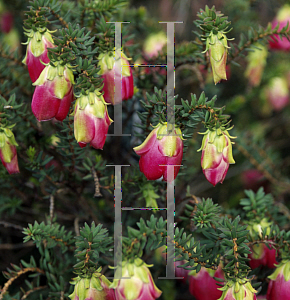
x=91, y=120
x=203, y=286
x=283, y=16
x=53, y=93
x=138, y=285
x=159, y=151
x=36, y=53
x=111, y=75
x=279, y=286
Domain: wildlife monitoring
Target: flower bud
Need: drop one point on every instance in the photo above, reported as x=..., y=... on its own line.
x=159, y=150
x=277, y=93
x=154, y=44
x=53, y=93
x=36, y=52
x=216, y=155
x=139, y=285
x=8, y=154
x=91, y=120
x=110, y=74
x=95, y=288
x=279, y=285
x=203, y=286
x=216, y=45
x=282, y=18
x=239, y=290
x=256, y=63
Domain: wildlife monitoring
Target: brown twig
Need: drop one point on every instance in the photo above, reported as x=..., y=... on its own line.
x=19, y=273
x=62, y=21
x=97, y=184
x=7, y=224
x=33, y=290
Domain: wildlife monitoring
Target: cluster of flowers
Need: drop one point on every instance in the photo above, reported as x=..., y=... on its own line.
x=53, y=96
x=161, y=149
x=54, y=82
x=276, y=92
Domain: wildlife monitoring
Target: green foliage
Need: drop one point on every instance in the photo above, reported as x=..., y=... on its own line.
x=53, y=234
x=256, y=205
x=74, y=184
x=206, y=214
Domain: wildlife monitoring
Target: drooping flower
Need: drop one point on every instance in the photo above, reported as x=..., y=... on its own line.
x=279, y=286
x=217, y=48
x=154, y=44
x=277, y=93
x=8, y=154
x=261, y=255
x=94, y=288
x=159, y=150
x=216, y=155
x=53, y=93
x=239, y=290
x=203, y=286
x=283, y=16
x=111, y=74
x=6, y=21
x=36, y=52
x=139, y=285
x=91, y=120
x=256, y=63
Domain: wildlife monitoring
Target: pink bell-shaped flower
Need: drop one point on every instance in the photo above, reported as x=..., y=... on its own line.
x=282, y=18
x=91, y=120
x=160, y=150
x=239, y=290
x=94, y=288
x=216, y=155
x=138, y=285
x=277, y=93
x=110, y=74
x=154, y=43
x=279, y=286
x=53, y=93
x=36, y=52
x=261, y=255
x=8, y=154
x=203, y=286
x=6, y=21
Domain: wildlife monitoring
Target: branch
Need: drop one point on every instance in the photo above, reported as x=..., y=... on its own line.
x=18, y=274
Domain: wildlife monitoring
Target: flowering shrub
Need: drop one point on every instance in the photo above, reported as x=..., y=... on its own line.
x=138, y=213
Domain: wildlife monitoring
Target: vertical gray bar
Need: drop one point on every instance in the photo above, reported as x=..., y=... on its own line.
x=170, y=79
x=118, y=224
x=170, y=270
x=118, y=81
x=118, y=221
